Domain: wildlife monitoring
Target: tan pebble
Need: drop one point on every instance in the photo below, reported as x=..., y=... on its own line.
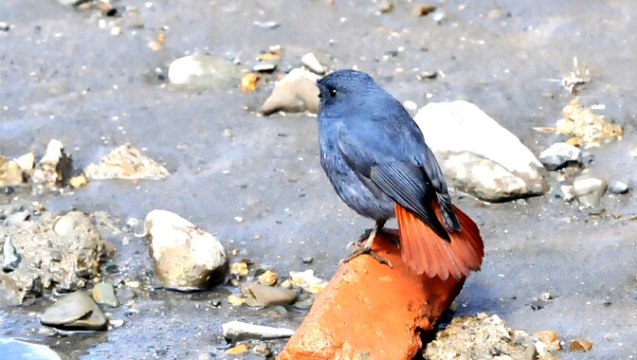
x=239, y=349
x=249, y=82
x=580, y=345
x=268, y=278
x=235, y=300
x=155, y=46
x=78, y=181
x=239, y=268
x=549, y=337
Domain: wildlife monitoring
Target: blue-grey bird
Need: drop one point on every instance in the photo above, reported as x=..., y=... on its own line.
x=376, y=159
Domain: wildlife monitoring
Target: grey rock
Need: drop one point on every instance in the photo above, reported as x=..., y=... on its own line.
x=618, y=187
x=104, y=293
x=296, y=92
x=16, y=218
x=263, y=295
x=477, y=155
x=203, y=72
x=240, y=331
x=589, y=190
x=64, y=256
x=310, y=61
x=13, y=349
x=186, y=258
x=10, y=257
x=560, y=155
x=75, y=311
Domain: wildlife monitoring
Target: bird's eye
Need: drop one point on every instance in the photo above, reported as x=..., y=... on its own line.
x=332, y=92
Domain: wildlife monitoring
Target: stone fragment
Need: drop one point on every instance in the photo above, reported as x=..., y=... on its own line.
x=310, y=61
x=55, y=167
x=307, y=280
x=262, y=295
x=589, y=190
x=126, y=162
x=104, y=293
x=296, y=92
x=239, y=331
x=560, y=155
x=580, y=345
x=75, y=311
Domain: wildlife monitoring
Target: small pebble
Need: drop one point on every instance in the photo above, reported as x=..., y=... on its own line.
x=618, y=187
x=8, y=190
x=239, y=268
x=310, y=61
x=262, y=349
x=239, y=349
x=235, y=300
x=269, y=278
x=116, y=323
x=266, y=24
x=307, y=260
x=265, y=67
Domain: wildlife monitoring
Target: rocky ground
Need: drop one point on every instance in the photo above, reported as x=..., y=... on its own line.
x=119, y=86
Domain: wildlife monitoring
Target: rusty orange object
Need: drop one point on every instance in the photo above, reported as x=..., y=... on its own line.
x=249, y=82
x=371, y=311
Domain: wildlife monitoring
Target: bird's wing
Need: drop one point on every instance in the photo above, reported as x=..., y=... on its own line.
x=436, y=178
x=379, y=162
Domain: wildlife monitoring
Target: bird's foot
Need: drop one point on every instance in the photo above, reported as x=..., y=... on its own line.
x=359, y=242
x=366, y=250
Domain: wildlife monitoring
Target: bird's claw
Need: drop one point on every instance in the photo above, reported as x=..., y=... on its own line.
x=370, y=252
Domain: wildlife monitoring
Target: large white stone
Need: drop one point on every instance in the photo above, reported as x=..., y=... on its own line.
x=186, y=257
x=203, y=71
x=478, y=155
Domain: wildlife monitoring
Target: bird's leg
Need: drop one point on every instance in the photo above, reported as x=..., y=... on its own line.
x=367, y=248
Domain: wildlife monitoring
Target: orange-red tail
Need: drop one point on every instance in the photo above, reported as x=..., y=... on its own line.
x=425, y=252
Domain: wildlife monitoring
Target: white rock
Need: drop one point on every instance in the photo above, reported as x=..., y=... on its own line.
x=589, y=190
x=239, y=331
x=202, y=71
x=310, y=61
x=296, y=92
x=186, y=257
x=478, y=155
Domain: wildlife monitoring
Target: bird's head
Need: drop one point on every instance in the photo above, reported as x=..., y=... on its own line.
x=342, y=90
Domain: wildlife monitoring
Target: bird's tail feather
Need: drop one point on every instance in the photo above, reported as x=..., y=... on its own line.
x=425, y=252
